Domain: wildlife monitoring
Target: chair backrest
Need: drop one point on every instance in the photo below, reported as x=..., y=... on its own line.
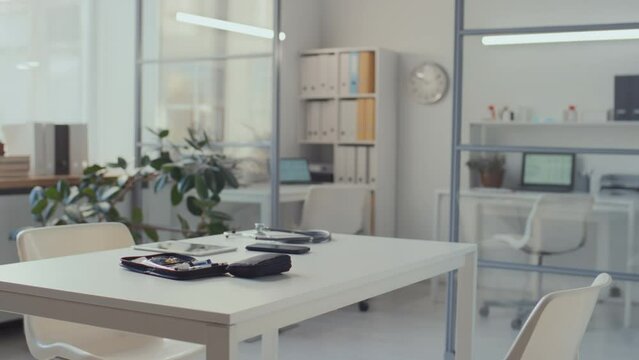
x=557, y=324
x=336, y=208
x=558, y=222
x=55, y=241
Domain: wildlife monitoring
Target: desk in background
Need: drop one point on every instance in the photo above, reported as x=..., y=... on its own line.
x=221, y=312
x=602, y=204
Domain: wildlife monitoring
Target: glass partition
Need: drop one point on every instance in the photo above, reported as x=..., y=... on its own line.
x=207, y=71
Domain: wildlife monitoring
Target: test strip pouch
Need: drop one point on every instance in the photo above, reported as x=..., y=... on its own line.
x=261, y=265
x=130, y=263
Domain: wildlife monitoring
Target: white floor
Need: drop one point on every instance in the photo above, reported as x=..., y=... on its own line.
x=404, y=324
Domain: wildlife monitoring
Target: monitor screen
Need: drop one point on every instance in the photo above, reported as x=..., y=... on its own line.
x=294, y=171
x=548, y=170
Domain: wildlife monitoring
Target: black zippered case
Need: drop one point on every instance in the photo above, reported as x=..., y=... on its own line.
x=216, y=269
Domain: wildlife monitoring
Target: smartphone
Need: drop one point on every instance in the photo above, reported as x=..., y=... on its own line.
x=276, y=248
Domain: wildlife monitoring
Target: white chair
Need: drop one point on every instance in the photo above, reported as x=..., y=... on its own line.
x=557, y=224
x=50, y=339
x=557, y=324
x=336, y=208
x=339, y=209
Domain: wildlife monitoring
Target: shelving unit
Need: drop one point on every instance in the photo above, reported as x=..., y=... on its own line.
x=381, y=151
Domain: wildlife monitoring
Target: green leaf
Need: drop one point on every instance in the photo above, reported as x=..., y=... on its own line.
x=186, y=184
x=184, y=225
x=90, y=193
x=163, y=133
x=146, y=160
x=92, y=169
x=39, y=206
x=160, y=182
x=176, y=173
x=164, y=158
x=49, y=211
x=73, y=195
x=136, y=216
x=36, y=194
x=122, y=163
x=229, y=177
x=193, y=144
x=200, y=187
x=63, y=188
x=220, y=182
x=152, y=234
x=192, y=206
x=52, y=194
x=176, y=195
x=113, y=214
x=216, y=228
x=209, y=178
x=109, y=193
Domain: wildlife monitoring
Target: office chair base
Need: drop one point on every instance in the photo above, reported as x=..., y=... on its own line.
x=524, y=307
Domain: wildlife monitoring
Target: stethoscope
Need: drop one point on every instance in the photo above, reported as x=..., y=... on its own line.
x=305, y=236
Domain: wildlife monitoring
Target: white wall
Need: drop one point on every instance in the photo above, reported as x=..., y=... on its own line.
x=419, y=31
x=546, y=77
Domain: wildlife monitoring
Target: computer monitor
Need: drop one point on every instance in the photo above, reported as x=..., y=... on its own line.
x=548, y=171
x=294, y=171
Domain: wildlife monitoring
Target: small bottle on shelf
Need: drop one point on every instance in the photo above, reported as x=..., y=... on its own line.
x=570, y=115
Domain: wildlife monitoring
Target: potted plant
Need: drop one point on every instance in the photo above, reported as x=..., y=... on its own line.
x=195, y=172
x=490, y=168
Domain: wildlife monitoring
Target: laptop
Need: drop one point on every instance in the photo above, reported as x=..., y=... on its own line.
x=294, y=171
x=548, y=172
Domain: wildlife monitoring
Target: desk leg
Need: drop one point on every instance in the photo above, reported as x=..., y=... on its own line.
x=222, y=344
x=466, y=303
x=270, y=345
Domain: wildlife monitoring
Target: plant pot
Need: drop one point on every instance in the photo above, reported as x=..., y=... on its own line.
x=1, y=149
x=491, y=179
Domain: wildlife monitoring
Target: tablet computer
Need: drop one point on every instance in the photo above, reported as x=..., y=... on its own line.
x=185, y=248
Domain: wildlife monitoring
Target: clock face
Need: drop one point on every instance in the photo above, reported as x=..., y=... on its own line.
x=428, y=83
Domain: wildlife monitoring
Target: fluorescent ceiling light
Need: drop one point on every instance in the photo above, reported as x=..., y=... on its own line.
x=559, y=37
x=227, y=25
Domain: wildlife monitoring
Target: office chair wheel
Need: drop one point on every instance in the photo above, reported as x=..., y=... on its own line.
x=516, y=324
x=615, y=292
x=484, y=310
x=363, y=306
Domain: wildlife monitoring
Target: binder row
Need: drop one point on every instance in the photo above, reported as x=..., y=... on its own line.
x=321, y=121
x=355, y=164
x=357, y=72
x=319, y=75
x=357, y=120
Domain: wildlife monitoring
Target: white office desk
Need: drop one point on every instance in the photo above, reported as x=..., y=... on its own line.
x=220, y=312
x=601, y=204
x=260, y=194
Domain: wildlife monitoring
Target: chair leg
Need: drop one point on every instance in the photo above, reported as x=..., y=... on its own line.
x=363, y=306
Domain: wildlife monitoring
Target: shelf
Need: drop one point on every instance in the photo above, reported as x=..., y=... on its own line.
x=358, y=96
x=358, y=142
x=608, y=124
x=316, y=142
x=188, y=60
x=317, y=97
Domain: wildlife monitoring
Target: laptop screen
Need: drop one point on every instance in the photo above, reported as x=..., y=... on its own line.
x=548, y=171
x=294, y=171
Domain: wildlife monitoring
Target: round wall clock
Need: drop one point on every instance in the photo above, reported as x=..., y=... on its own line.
x=428, y=83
